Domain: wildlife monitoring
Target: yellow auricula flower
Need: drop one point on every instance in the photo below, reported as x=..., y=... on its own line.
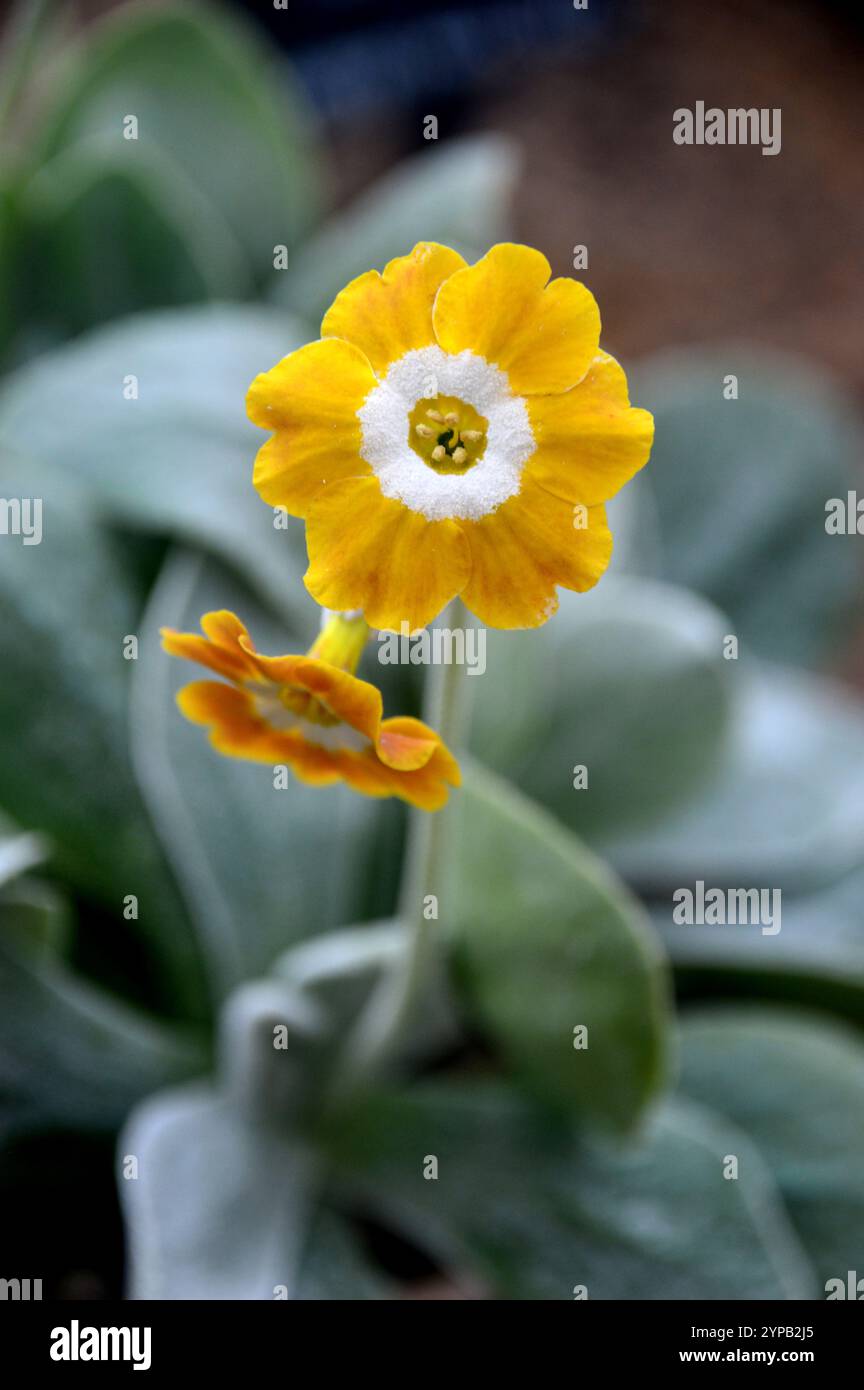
x=310, y=712
x=455, y=431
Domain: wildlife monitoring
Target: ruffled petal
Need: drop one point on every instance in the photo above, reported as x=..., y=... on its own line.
x=406, y=744
x=238, y=731
x=219, y=650
x=388, y=315
x=590, y=441
x=426, y=787
x=310, y=399
x=277, y=670
x=311, y=763
x=355, y=702
x=370, y=552
x=230, y=715
x=544, y=336
x=527, y=547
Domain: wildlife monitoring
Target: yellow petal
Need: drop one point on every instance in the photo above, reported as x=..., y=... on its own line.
x=521, y=552
x=388, y=315
x=238, y=731
x=406, y=744
x=590, y=441
x=219, y=650
x=229, y=714
x=369, y=552
x=418, y=769
x=543, y=336
x=426, y=787
x=357, y=703
x=312, y=764
x=310, y=399
x=225, y=628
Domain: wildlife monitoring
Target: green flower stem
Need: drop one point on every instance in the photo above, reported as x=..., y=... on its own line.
x=381, y=1028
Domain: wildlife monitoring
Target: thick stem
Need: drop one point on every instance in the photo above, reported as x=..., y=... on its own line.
x=341, y=640
x=381, y=1028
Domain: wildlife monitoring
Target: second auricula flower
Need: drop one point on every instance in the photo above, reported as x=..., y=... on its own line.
x=456, y=430
x=310, y=712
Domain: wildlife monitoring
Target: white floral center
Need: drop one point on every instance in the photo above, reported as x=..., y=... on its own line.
x=424, y=374
x=335, y=737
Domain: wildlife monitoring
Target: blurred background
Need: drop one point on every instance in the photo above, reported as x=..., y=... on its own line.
x=148, y=272
x=682, y=250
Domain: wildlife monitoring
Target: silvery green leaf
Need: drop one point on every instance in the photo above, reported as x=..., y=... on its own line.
x=627, y=683
x=817, y=956
x=215, y=1207
x=786, y=809
x=557, y=966
x=204, y=90
x=741, y=487
x=69, y=603
x=530, y=1211
x=18, y=853
x=458, y=194
x=112, y=236
x=70, y=1054
x=794, y=1083
x=175, y=458
x=219, y=1208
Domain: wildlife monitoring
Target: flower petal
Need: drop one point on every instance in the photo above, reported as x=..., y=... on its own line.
x=311, y=763
x=370, y=552
x=225, y=628
x=406, y=744
x=543, y=336
x=238, y=731
x=310, y=399
x=278, y=670
x=522, y=551
x=402, y=758
x=590, y=441
x=228, y=712
x=219, y=650
x=427, y=787
x=355, y=702
x=388, y=315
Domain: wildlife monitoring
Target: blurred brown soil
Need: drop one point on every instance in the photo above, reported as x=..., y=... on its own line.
x=688, y=244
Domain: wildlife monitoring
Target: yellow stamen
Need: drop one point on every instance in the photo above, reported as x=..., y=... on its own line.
x=306, y=706
x=449, y=436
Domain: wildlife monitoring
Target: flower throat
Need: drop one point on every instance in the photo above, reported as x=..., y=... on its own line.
x=447, y=434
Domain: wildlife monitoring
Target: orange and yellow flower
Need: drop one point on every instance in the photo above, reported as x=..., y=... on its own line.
x=456, y=430
x=310, y=712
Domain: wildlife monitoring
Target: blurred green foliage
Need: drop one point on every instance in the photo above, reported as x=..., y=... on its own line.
x=259, y=908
